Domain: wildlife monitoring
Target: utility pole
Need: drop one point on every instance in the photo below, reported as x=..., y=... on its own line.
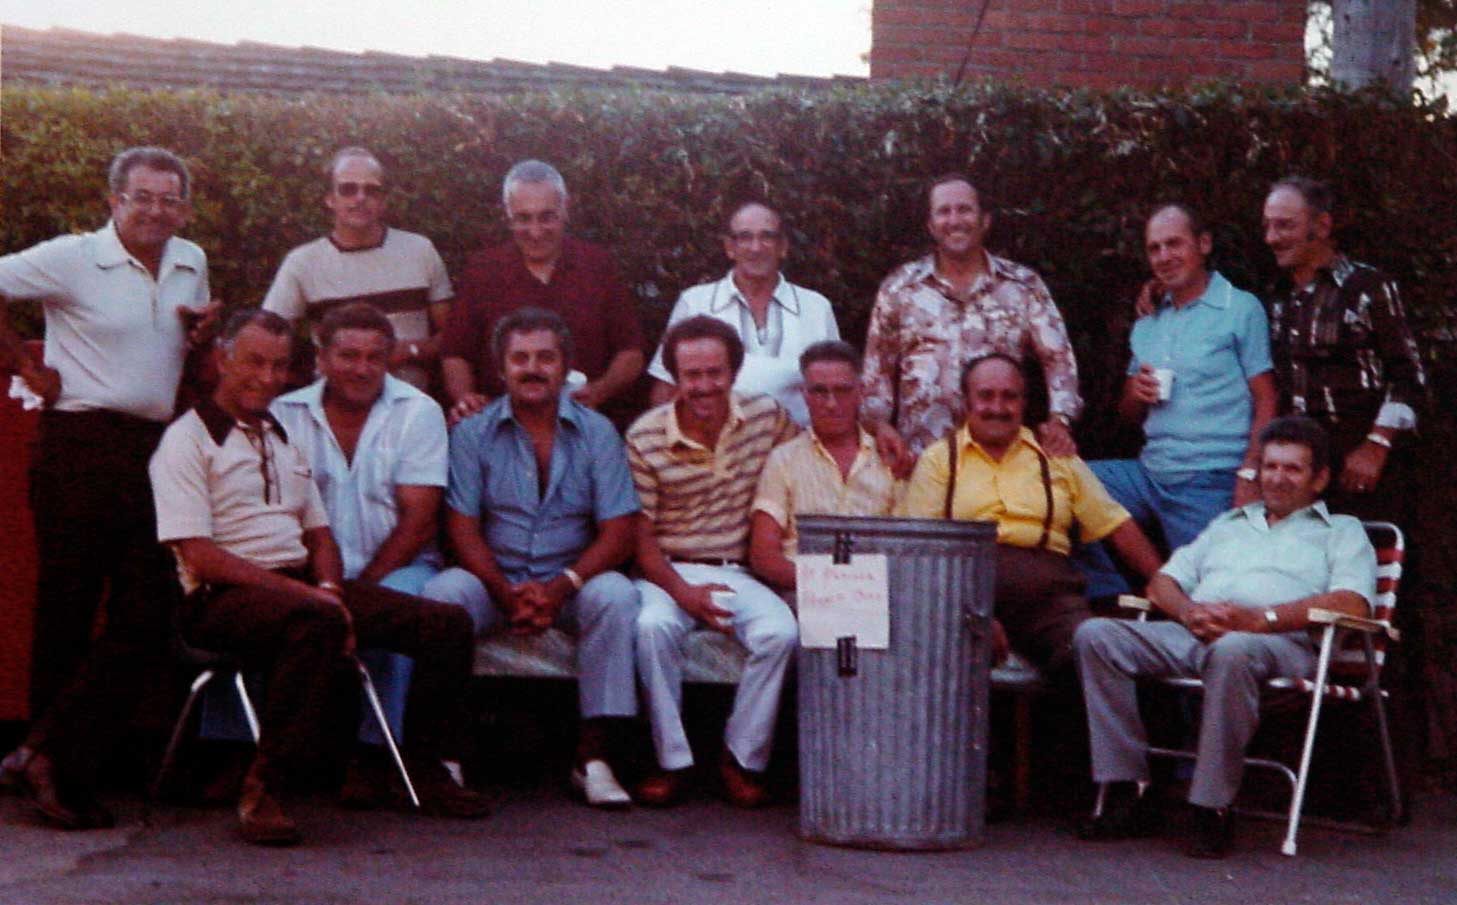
x=1373, y=42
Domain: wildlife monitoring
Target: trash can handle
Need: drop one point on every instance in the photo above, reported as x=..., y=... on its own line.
x=844, y=543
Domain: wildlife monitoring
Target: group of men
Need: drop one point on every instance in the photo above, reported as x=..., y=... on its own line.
x=304, y=525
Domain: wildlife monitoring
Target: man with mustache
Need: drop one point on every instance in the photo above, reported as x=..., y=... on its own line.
x=1238, y=600
x=541, y=266
x=959, y=302
x=992, y=468
x=696, y=462
x=363, y=259
x=377, y=447
x=1200, y=384
x=123, y=305
x=540, y=512
x=1344, y=354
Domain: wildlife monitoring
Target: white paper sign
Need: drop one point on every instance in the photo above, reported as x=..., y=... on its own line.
x=838, y=601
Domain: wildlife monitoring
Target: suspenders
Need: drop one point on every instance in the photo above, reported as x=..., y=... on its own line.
x=954, y=456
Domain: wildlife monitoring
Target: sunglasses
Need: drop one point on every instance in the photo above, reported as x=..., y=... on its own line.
x=350, y=189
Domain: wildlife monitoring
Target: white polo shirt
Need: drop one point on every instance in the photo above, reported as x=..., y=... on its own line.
x=797, y=319
x=404, y=442
x=112, y=331
x=244, y=488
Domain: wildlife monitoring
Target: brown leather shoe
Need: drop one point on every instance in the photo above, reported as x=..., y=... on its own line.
x=366, y=784
x=37, y=783
x=441, y=796
x=261, y=820
x=740, y=786
x=663, y=789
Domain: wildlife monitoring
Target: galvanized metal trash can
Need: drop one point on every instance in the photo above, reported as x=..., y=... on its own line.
x=894, y=755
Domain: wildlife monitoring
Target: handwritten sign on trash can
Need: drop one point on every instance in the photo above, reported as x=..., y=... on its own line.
x=843, y=600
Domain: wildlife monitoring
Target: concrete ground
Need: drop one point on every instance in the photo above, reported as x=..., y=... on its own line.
x=540, y=847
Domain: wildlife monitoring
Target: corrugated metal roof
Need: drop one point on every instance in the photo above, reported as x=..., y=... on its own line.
x=59, y=56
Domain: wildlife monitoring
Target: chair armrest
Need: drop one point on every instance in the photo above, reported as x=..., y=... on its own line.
x=1134, y=602
x=1319, y=616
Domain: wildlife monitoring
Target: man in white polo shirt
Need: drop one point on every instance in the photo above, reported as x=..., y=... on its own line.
x=379, y=453
x=122, y=305
x=265, y=581
x=364, y=260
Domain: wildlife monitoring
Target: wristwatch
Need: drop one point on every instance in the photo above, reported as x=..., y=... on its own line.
x=1271, y=617
x=1247, y=474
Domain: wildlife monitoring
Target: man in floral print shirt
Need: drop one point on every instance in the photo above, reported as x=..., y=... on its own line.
x=935, y=313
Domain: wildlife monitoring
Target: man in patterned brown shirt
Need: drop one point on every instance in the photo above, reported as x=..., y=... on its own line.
x=935, y=313
x=1344, y=354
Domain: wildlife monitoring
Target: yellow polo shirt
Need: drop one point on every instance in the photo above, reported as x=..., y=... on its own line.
x=802, y=478
x=1010, y=492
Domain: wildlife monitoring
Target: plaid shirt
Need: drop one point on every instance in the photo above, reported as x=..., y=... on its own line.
x=1342, y=348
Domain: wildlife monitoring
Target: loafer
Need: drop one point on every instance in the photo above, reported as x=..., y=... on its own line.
x=366, y=785
x=741, y=787
x=663, y=789
x=1126, y=815
x=36, y=782
x=1211, y=832
x=441, y=796
x=261, y=820
x=13, y=765
x=595, y=784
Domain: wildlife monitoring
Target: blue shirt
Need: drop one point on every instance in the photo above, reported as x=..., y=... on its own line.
x=493, y=477
x=1241, y=558
x=1214, y=345
x=403, y=443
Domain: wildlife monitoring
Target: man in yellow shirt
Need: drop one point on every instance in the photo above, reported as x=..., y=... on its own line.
x=831, y=469
x=1000, y=473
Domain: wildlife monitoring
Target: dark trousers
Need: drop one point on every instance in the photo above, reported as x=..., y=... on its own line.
x=1040, y=603
x=96, y=538
x=299, y=641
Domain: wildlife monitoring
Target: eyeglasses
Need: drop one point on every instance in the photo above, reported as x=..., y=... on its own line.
x=147, y=199
x=350, y=189
x=526, y=218
x=765, y=237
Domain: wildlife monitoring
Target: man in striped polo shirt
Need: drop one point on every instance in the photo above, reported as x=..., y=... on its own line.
x=696, y=462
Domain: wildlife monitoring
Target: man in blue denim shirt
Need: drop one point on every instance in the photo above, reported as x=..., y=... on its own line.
x=540, y=510
x=1200, y=382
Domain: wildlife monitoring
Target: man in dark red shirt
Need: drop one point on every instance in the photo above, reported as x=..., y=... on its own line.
x=543, y=267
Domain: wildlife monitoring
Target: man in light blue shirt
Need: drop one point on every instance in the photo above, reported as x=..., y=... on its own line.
x=541, y=508
x=1238, y=599
x=1201, y=384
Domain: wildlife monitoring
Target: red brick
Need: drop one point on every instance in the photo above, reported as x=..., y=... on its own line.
x=1140, y=7
x=1083, y=6
x=1280, y=72
x=1248, y=51
x=1198, y=10
x=1193, y=28
x=1255, y=11
x=1060, y=23
x=1292, y=32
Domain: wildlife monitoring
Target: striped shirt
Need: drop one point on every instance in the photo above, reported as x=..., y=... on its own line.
x=697, y=498
x=802, y=478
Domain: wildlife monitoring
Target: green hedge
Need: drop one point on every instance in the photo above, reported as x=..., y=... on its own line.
x=1073, y=174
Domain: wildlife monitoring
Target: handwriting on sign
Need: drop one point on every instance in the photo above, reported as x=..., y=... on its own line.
x=837, y=601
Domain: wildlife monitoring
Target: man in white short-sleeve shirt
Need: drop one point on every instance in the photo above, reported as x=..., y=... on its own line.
x=775, y=319
x=122, y=305
x=363, y=259
x=265, y=582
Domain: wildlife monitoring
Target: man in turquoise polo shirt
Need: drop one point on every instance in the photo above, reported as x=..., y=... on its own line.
x=1200, y=382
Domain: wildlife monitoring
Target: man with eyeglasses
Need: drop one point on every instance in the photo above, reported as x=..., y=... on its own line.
x=831, y=469
x=264, y=580
x=776, y=319
x=363, y=259
x=122, y=307
x=542, y=267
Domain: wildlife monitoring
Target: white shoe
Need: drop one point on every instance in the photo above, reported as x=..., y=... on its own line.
x=598, y=787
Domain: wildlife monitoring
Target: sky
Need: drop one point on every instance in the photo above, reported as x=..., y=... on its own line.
x=761, y=37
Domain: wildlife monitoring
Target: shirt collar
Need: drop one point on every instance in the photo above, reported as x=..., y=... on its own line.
x=1215, y=295
x=219, y=423
x=567, y=410
x=312, y=396
x=1255, y=512
x=867, y=443
x=675, y=434
x=108, y=252
x=996, y=269
x=1339, y=268
x=726, y=294
x=383, y=237
x=1024, y=436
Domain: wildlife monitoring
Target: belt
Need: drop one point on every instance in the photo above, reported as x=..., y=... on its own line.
x=694, y=561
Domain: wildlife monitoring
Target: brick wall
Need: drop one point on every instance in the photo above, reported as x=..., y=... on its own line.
x=1093, y=43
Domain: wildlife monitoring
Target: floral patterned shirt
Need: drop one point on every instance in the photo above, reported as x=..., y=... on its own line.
x=922, y=332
